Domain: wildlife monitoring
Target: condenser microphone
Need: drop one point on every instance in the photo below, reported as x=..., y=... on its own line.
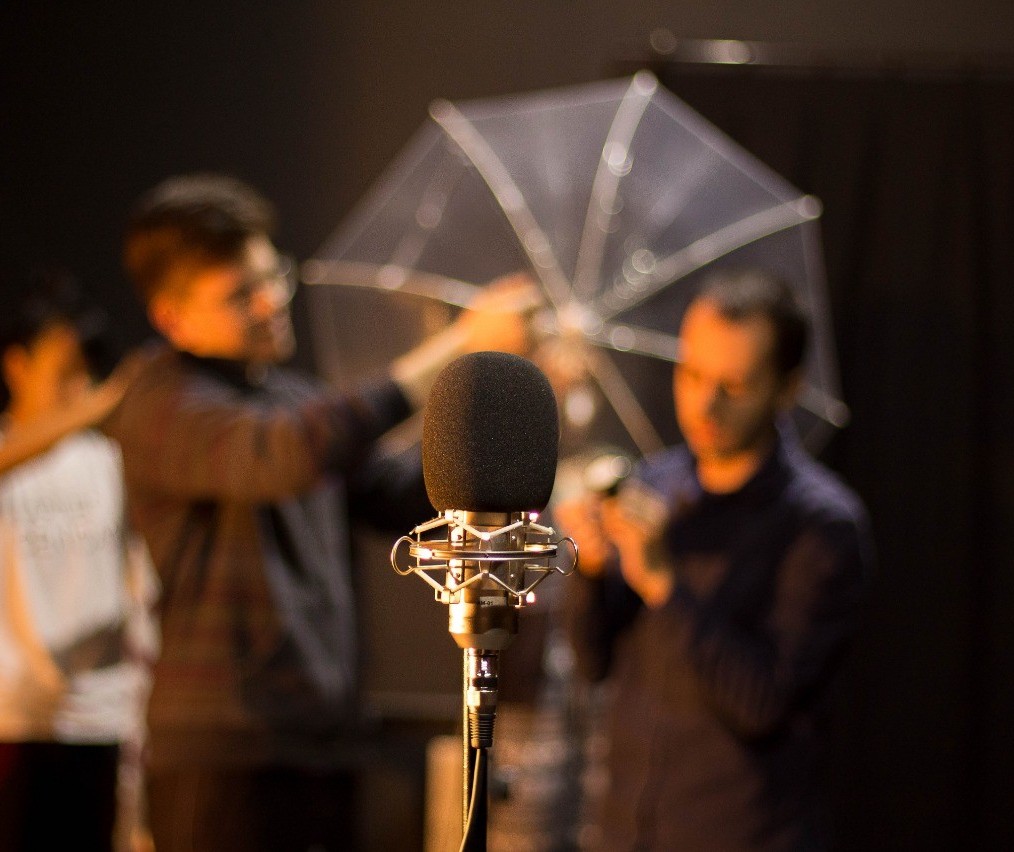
x=489, y=450
x=489, y=447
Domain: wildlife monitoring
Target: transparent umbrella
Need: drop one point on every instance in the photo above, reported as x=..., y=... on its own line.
x=617, y=198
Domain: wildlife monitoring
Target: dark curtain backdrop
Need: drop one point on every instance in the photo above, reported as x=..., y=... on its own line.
x=98, y=102
x=916, y=173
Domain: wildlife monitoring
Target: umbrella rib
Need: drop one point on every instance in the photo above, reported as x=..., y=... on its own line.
x=832, y=409
x=607, y=179
x=391, y=277
x=492, y=170
x=615, y=389
x=366, y=211
x=428, y=213
x=708, y=249
x=621, y=337
x=824, y=405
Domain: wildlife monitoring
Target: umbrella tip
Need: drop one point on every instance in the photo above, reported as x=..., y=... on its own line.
x=439, y=108
x=645, y=82
x=809, y=207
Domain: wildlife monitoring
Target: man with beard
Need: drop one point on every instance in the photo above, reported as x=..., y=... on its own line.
x=718, y=590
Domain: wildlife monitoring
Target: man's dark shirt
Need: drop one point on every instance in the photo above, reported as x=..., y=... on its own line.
x=243, y=491
x=718, y=720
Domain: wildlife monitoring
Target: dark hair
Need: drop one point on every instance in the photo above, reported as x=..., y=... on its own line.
x=198, y=219
x=48, y=296
x=745, y=293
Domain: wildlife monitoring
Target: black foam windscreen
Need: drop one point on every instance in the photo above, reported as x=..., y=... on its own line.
x=490, y=435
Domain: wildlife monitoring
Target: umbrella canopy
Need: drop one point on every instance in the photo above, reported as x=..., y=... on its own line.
x=617, y=198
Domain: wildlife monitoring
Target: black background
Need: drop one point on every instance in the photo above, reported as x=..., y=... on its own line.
x=309, y=100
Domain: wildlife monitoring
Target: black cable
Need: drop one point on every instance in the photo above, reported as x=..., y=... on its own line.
x=466, y=838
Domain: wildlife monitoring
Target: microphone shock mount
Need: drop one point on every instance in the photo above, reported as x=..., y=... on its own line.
x=485, y=566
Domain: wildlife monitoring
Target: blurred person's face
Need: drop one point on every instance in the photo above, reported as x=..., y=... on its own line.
x=726, y=386
x=237, y=311
x=49, y=373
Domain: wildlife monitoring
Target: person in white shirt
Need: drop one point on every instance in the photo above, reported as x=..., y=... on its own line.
x=75, y=586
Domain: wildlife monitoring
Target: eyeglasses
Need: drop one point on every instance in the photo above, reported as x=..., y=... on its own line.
x=280, y=284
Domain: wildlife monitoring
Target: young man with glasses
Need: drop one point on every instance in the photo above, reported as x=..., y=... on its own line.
x=243, y=476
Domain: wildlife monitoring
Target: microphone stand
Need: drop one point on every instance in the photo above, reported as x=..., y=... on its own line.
x=491, y=563
x=482, y=620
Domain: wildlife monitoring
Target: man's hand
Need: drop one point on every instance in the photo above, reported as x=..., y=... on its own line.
x=100, y=401
x=499, y=317
x=629, y=525
x=634, y=521
x=89, y=408
x=581, y=518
